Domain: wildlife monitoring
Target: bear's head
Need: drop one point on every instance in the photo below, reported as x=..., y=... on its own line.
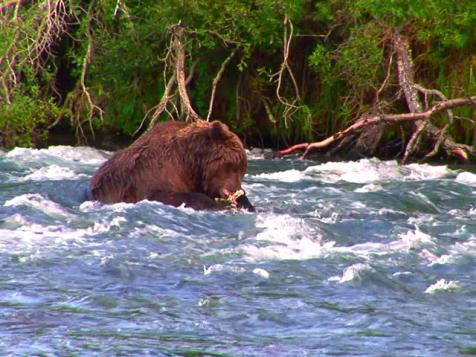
x=223, y=163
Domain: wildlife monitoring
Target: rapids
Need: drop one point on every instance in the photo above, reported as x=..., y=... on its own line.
x=364, y=258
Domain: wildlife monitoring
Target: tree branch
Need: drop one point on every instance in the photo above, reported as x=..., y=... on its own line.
x=180, y=72
x=290, y=107
x=384, y=118
x=159, y=108
x=217, y=79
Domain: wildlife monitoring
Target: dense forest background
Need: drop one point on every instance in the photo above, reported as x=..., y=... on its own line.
x=277, y=72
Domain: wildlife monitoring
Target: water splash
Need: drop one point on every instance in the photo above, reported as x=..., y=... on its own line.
x=442, y=286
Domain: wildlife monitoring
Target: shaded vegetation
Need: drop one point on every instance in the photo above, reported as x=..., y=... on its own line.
x=290, y=71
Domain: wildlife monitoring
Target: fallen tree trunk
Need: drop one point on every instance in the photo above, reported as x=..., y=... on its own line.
x=387, y=119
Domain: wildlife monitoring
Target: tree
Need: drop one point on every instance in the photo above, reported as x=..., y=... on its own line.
x=278, y=72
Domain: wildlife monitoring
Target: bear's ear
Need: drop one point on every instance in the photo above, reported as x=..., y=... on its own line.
x=218, y=131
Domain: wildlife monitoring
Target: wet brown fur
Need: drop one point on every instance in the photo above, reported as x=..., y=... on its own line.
x=174, y=156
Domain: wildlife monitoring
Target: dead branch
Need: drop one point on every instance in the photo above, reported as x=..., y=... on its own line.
x=93, y=108
x=174, y=60
x=217, y=79
x=179, y=48
x=8, y=63
x=81, y=99
x=290, y=106
x=385, y=81
x=165, y=101
x=53, y=24
x=384, y=118
x=269, y=112
x=294, y=148
x=159, y=108
x=50, y=23
x=442, y=134
x=166, y=97
x=238, y=98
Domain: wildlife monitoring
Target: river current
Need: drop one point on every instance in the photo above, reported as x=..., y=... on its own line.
x=362, y=258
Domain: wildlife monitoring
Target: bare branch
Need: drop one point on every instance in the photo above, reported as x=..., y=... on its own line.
x=93, y=108
x=81, y=99
x=159, y=108
x=269, y=112
x=290, y=150
x=438, y=94
x=384, y=118
x=179, y=48
x=290, y=107
x=387, y=77
x=405, y=73
x=438, y=143
x=217, y=79
x=170, y=77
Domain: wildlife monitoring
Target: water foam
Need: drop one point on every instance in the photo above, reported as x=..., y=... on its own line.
x=442, y=286
x=413, y=239
x=292, y=175
x=52, y=172
x=225, y=268
x=407, y=242
x=83, y=155
x=455, y=252
x=38, y=202
x=32, y=241
x=426, y=171
x=107, y=225
x=466, y=178
x=283, y=237
x=352, y=273
x=220, y=268
x=261, y=273
x=369, y=188
x=364, y=171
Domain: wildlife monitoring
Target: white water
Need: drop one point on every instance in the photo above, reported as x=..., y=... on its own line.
x=335, y=251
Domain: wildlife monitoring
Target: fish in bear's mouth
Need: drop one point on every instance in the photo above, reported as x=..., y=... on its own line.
x=236, y=200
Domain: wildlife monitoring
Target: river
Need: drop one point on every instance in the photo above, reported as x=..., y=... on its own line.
x=362, y=258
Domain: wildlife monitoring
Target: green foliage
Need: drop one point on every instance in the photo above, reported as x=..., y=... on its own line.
x=24, y=122
x=339, y=57
x=353, y=60
x=321, y=60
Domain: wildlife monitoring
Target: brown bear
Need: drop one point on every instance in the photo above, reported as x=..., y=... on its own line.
x=200, y=165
